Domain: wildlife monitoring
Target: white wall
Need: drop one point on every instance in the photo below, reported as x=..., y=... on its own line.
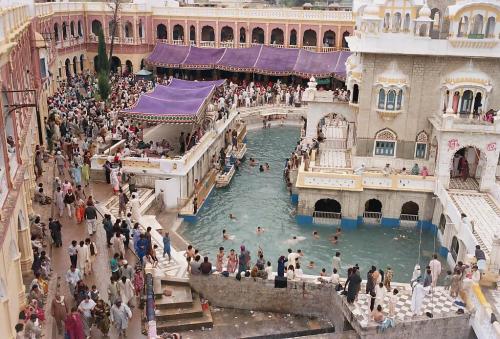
x=171, y=191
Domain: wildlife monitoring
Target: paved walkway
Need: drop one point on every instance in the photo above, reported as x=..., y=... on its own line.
x=73, y=231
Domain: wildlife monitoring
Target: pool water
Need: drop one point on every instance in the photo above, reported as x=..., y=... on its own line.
x=261, y=199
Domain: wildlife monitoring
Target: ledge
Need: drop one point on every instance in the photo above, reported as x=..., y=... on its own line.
x=388, y=115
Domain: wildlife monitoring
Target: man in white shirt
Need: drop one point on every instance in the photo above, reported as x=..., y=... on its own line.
x=86, y=307
x=73, y=275
x=435, y=266
x=336, y=261
x=292, y=257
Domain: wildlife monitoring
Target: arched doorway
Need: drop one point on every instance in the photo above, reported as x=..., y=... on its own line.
x=67, y=67
x=128, y=67
x=293, y=38
x=309, y=38
x=72, y=29
x=327, y=211
x=75, y=65
x=257, y=35
x=409, y=212
x=116, y=64
x=226, y=34
x=128, y=30
x=207, y=33
x=56, y=31
x=243, y=36
x=192, y=34
x=178, y=33
x=466, y=168
x=344, y=41
x=373, y=211
x=96, y=27
x=329, y=39
x=277, y=36
x=161, y=32
x=455, y=248
x=65, y=31
x=80, y=31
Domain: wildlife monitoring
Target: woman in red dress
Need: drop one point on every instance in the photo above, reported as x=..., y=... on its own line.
x=74, y=325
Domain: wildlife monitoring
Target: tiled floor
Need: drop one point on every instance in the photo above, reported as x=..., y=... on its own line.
x=460, y=184
x=438, y=303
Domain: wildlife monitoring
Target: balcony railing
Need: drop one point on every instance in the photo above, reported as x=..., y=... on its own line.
x=128, y=40
x=178, y=42
x=309, y=48
x=227, y=44
x=207, y=44
x=476, y=36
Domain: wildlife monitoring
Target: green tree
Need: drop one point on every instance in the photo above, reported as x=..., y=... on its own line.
x=102, y=58
x=104, y=86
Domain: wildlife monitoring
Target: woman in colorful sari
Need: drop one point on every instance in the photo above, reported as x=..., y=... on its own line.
x=80, y=210
x=138, y=282
x=232, y=262
x=74, y=325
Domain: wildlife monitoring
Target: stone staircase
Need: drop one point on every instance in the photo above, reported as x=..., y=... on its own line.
x=182, y=311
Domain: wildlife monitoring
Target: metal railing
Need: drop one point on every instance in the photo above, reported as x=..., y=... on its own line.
x=408, y=217
x=372, y=217
x=327, y=218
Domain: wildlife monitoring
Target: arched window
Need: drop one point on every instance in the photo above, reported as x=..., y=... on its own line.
x=381, y=98
x=329, y=39
x=128, y=30
x=387, y=21
x=410, y=208
x=192, y=34
x=442, y=223
x=81, y=63
x=396, y=22
x=463, y=26
x=75, y=65
x=65, y=31
x=385, y=143
x=140, y=29
x=80, y=30
x=344, y=40
x=477, y=24
x=293, y=37
x=467, y=98
x=355, y=93
x=490, y=27
x=399, y=100
x=406, y=25
x=161, y=31
x=454, y=248
x=56, y=31
x=96, y=27
x=178, y=33
x=421, y=145
x=257, y=35
x=226, y=34
x=436, y=23
x=243, y=35
x=373, y=205
x=277, y=36
x=391, y=100
x=72, y=28
x=309, y=38
x=207, y=33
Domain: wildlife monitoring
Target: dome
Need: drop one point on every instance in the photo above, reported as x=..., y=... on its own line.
x=468, y=75
x=392, y=76
x=425, y=11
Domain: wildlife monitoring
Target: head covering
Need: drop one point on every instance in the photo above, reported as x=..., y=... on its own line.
x=242, y=247
x=125, y=262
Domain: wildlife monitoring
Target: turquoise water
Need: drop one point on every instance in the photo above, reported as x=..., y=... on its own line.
x=261, y=199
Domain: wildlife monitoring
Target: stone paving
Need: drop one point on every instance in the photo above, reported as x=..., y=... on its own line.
x=74, y=231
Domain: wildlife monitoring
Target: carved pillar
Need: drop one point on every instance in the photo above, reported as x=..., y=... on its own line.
x=24, y=243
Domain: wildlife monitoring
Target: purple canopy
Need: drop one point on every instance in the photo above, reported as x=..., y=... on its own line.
x=179, y=102
x=258, y=59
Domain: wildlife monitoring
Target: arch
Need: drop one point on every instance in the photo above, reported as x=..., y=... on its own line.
x=56, y=31
x=381, y=98
x=277, y=36
x=67, y=68
x=465, y=162
x=454, y=248
x=75, y=61
x=406, y=24
x=72, y=29
x=436, y=23
x=207, y=33
x=387, y=21
x=192, y=34
x=477, y=24
x=113, y=29
x=243, y=35
x=442, y=223
x=328, y=205
x=422, y=31
x=115, y=64
x=80, y=29
x=391, y=100
x=81, y=62
x=258, y=35
x=463, y=26
x=477, y=103
x=386, y=134
x=396, y=22
x=467, y=98
x=65, y=30
x=293, y=37
x=355, y=93
x=410, y=208
x=373, y=205
x=329, y=39
x=128, y=67
x=490, y=27
x=310, y=38
x=140, y=29
x=344, y=40
x=178, y=32
x=128, y=30
x=161, y=31
x=96, y=26
x=226, y=34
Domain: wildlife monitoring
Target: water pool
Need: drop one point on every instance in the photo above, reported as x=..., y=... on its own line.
x=261, y=199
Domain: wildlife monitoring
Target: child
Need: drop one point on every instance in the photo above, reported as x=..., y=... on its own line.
x=311, y=264
x=94, y=293
x=447, y=280
x=392, y=302
x=323, y=272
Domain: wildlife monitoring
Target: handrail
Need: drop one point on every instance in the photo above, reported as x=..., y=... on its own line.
x=408, y=217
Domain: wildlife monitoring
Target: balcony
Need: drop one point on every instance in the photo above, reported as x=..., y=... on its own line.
x=473, y=41
x=388, y=115
x=465, y=123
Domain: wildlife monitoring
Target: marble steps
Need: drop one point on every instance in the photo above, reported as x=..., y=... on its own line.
x=182, y=296
x=181, y=325
x=194, y=310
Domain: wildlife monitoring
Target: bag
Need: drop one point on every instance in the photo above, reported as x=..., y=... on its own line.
x=280, y=282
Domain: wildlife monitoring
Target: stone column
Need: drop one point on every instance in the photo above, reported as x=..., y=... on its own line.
x=495, y=252
x=489, y=169
x=449, y=106
x=24, y=244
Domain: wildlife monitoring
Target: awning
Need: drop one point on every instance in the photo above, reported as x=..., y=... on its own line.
x=180, y=102
x=257, y=59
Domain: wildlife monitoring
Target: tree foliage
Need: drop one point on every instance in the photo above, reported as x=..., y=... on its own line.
x=102, y=57
x=104, y=86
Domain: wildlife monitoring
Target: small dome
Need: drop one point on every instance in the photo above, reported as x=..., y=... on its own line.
x=425, y=11
x=468, y=74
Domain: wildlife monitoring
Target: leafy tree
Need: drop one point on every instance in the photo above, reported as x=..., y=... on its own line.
x=103, y=84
